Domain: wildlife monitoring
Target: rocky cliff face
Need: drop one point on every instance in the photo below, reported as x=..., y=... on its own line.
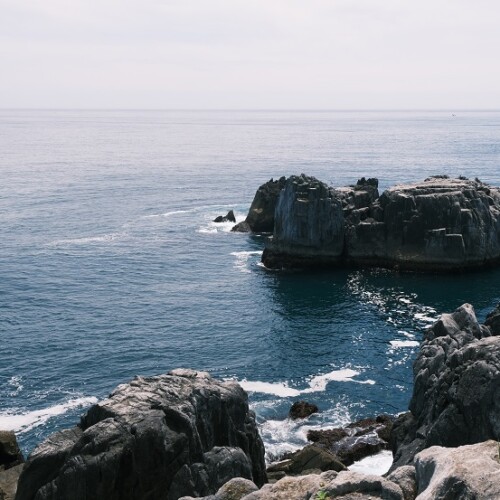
x=456, y=394
x=439, y=224
x=157, y=437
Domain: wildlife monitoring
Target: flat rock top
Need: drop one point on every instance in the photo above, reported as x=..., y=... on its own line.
x=440, y=185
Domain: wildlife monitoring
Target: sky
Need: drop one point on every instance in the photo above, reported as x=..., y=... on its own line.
x=250, y=54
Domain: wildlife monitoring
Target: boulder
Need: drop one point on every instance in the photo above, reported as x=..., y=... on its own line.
x=166, y=436
x=302, y=409
x=493, y=321
x=235, y=489
x=456, y=393
x=10, y=454
x=469, y=472
x=8, y=482
x=260, y=218
x=357, y=440
x=439, y=224
x=229, y=217
x=405, y=478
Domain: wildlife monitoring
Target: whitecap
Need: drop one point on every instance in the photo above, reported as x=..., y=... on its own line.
x=23, y=422
x=105, y=238
x=242, y=259
x=167, y=214
x=425, y=318
x=404, y=343
x=317, y=383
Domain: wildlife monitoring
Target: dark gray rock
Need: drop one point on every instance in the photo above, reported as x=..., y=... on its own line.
x=302, y=409
x=493, y=321
x=260, y=218
x=456, y=394
x=229, y=217
x=156, y=437
x=440, y=224
x=10, y=454
x=8, y=482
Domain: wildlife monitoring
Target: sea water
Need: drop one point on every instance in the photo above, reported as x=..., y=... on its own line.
x=111, y=266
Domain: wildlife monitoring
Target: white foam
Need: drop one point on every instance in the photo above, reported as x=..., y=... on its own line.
x=425, y=318
x=23, y=422
x=105, y=238
x=16, y=383
x=316, y=384
x=404, y=343
x=377, y=464
x=167, y=214
x=242, y=259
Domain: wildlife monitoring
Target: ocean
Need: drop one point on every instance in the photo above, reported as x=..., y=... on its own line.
x=111, y=266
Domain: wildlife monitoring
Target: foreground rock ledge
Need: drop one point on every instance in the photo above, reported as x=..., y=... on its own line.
x=160, y=437
x=439, y=224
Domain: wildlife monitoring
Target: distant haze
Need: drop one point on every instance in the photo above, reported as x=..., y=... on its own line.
x=250, y=54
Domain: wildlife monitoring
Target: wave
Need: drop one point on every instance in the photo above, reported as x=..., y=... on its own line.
x=242, y=259
x=377, y=464
x=23, y=422
x=404, y=343
x=316, y=384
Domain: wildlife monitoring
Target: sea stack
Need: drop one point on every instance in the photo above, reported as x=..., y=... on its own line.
x=440, y=224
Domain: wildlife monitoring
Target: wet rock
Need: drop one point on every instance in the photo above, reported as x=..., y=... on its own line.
x=229, y=217
x=260, y=218
x=302, y=409
x=156, y=437
x=456, y=394
x=357, y=440
x=465, y=473
x=309, y=457
x=10, y=454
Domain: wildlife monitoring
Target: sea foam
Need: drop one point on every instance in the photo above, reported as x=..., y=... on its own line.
x=23, y=422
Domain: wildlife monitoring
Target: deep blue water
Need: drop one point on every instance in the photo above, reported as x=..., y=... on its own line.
x=110, y=265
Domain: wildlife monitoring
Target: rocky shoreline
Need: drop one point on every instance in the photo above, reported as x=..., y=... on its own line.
x=438, y=225
x=186, y=435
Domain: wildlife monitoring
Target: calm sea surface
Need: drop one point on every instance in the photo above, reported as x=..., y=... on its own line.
x=111, y=267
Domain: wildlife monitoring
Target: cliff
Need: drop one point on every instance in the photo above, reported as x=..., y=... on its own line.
x=437, y=225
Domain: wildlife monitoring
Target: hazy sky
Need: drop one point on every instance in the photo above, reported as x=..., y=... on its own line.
x=322, y=54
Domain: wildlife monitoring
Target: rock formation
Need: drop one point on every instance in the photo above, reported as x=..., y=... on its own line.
x=229, y=217
x=438, y=224
x=156, y=437
x=456, y=393
x=260, y=218
x=302, y=409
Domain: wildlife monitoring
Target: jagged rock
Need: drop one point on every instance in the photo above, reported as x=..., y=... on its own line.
x=456, y=394
x=260, y=218
x=439, y=224
x=156, y=437
x=309, y=457
x=465, y=473
x=10, y=454
x=302, y=409
x=405, y=478
x=357, y=440
x=493, y=321
x=8, y=482
x=229, y=217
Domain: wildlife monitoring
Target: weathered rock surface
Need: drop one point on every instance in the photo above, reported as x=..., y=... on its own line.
x=438, y=224
x=456, y=394
x=260, y=218
x=10, y=454
x=157, y=438
x=235, y=489
x=466, y=473
x=8, y=482
x=302, y=409
x=405, y=478
x=229, y=217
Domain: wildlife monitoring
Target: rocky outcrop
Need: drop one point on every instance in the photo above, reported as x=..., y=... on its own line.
x=456, y=394
x=229, y=217
x=466, y=473
x=438, y=224
x=156, y=437
x=8, y=482
x=10, y=454
x=302, y=409
x=260, y=218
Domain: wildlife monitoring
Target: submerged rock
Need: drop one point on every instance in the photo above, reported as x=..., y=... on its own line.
x=438, y=224
x=156, y=437
x=456, y=393
x=260, y=218
x=302, y=409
